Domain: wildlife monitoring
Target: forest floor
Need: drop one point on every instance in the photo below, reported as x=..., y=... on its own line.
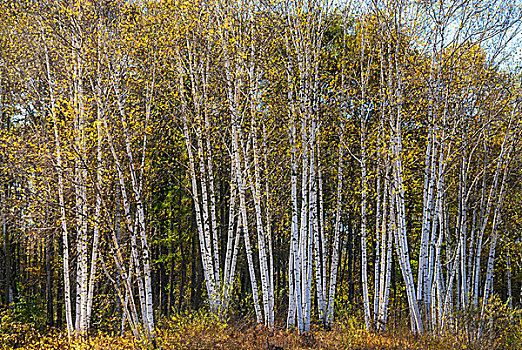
x=202, y=332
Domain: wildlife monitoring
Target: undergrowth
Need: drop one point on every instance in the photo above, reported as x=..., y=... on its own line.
x=203, y=331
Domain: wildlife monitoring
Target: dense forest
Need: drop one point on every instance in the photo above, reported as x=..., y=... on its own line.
x=288, y=164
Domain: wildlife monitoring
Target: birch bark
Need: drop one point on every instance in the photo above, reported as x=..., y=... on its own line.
x=63, y=219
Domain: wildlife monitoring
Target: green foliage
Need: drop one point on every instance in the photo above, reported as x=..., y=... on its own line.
x=22, y=323
x=198, y=330
x=499, y=327
x=513, y=338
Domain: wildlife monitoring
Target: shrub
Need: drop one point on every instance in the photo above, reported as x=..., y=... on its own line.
x=21, y=323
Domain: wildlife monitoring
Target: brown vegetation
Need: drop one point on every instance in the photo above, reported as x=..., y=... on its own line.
x=202, y=331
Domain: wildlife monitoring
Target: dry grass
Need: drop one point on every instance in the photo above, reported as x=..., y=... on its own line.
x=203, y=332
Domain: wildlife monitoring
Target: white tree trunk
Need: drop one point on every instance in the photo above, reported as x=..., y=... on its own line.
x=61, y=199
